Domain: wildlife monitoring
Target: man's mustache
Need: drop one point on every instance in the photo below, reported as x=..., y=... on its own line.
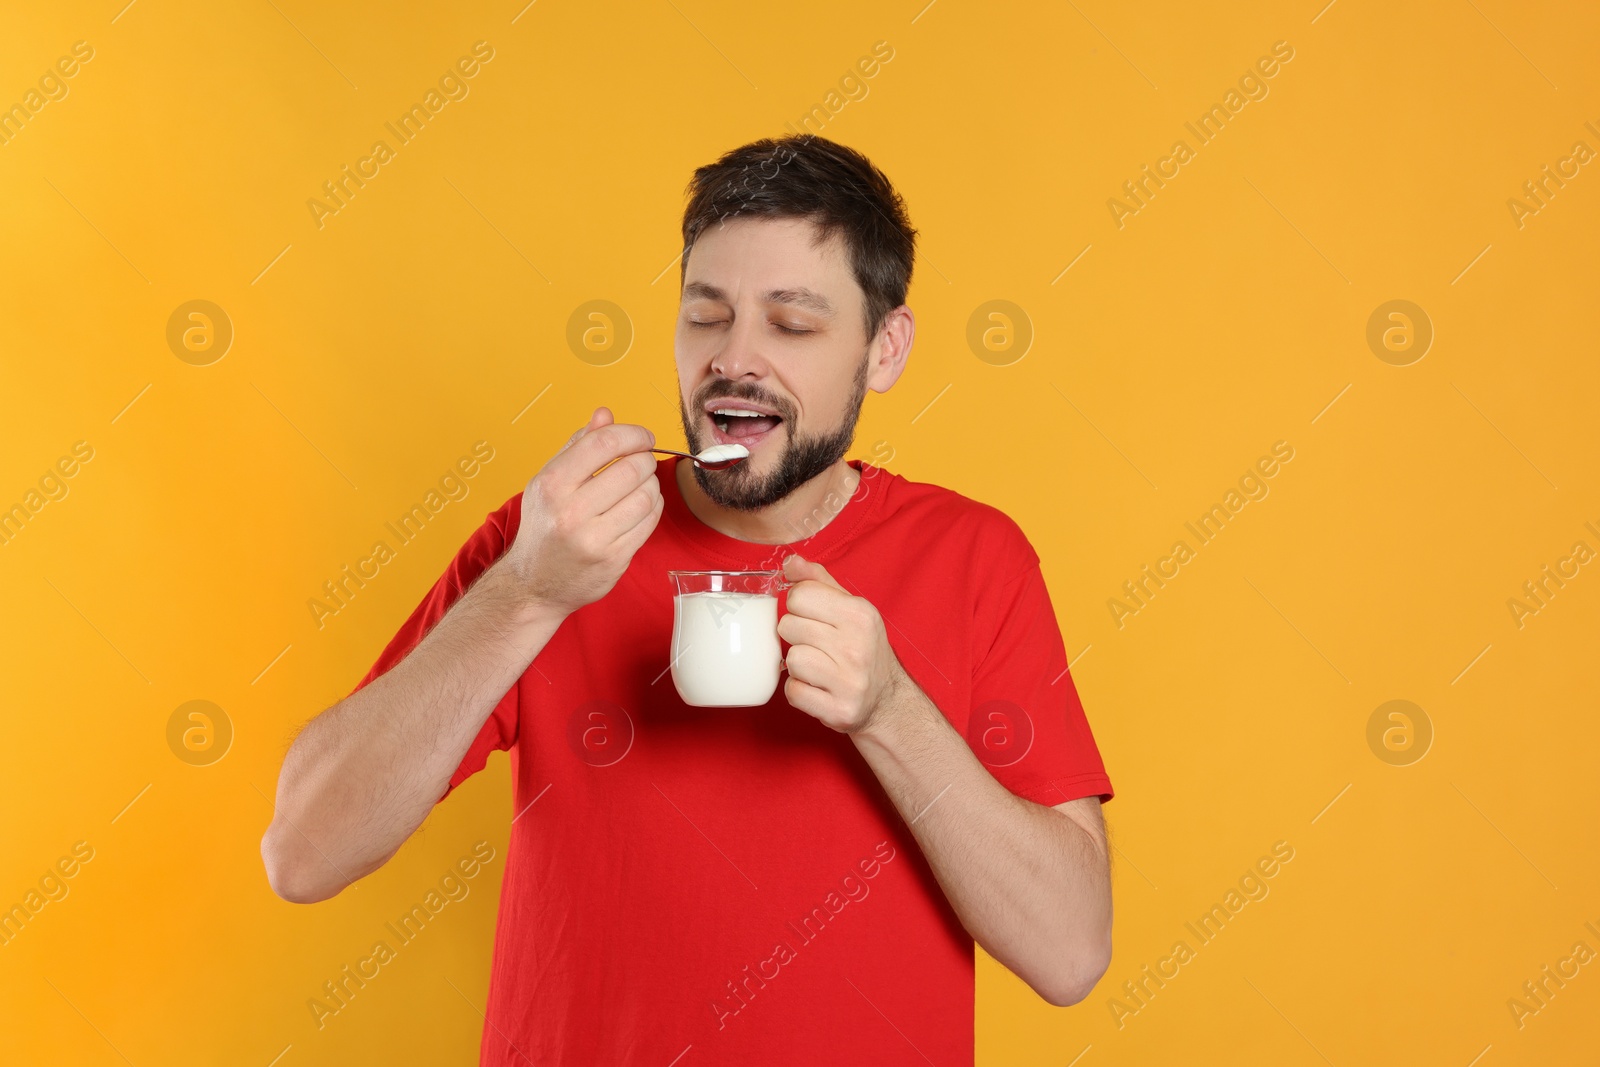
x=730, y=391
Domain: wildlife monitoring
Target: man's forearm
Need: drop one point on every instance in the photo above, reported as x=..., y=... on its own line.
x=1028, y=883
x=363, y=775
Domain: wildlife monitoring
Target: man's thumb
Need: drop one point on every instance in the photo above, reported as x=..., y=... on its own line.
x=797, y=568
x=794, y=563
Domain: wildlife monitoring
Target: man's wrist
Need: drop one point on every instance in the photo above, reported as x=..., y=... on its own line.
x=900, y=708
x=510, y=597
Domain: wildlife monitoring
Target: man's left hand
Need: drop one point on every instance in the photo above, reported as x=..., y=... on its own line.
x=841, y=668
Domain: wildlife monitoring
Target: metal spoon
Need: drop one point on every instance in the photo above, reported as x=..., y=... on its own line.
x=710, y=465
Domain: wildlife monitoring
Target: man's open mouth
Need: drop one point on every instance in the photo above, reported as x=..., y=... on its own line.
x=740, y=425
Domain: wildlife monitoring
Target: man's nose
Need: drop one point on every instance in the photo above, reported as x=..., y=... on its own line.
x=741, y=356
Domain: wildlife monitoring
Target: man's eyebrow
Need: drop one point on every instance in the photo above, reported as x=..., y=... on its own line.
x=703, y=291
x=806, y=298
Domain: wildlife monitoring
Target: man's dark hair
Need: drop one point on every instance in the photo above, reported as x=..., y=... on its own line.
x=836, y=188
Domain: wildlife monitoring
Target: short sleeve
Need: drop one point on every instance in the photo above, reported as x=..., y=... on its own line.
x=1027, y=724
x=482, y=549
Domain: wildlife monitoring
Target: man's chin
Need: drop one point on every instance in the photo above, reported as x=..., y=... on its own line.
x=748, y=485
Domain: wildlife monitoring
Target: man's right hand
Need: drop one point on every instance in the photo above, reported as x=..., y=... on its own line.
x=579, y=530
x=363, y=775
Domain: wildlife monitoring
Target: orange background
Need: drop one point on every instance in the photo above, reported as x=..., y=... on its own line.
x=1230, y=312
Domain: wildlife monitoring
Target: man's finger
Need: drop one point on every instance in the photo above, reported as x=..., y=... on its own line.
x=602, y=491
x=628, y=542
x=632, y=504
x=804, y=630
x=811, y=665
x=601, y=417
x=797, y=568
x=598, y=447
x=817, y=600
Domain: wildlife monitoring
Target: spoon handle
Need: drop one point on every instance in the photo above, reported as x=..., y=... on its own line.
x=707, y=465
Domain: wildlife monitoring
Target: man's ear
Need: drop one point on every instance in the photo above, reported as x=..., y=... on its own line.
x=891, y=349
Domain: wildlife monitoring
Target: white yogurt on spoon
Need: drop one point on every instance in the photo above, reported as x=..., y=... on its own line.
x=722, y=453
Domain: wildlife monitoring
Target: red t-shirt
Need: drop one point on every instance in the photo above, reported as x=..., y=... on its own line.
x=699, y=886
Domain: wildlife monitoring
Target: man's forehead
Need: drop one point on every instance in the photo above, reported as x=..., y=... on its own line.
x=778, y=258
x=790, y=241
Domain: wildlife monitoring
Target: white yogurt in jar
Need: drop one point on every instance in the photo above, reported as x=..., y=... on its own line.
x=725, y=650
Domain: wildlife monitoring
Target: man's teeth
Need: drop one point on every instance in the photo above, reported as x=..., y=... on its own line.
x=721, y=416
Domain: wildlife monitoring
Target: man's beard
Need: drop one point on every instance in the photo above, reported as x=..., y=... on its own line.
x=803, y=458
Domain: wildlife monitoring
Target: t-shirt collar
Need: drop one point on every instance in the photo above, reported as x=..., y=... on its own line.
x=748, y=555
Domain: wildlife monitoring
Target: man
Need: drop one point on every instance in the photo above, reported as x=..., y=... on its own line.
x=795, y=883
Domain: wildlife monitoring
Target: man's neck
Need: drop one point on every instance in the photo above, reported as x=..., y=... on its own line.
x=794, y=518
